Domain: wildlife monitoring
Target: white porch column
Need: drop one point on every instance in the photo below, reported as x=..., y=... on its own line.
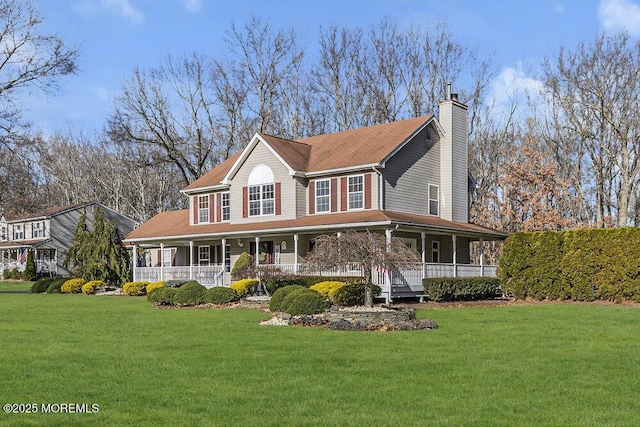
x=339, y=234
x=295, y=253
x=257, y=254
x=190, y=259
x=161, y=261
x=224, y=260
x=481, y=257
x=454, y=239
x=387, y=274
x=423, y=238
x=134, y=268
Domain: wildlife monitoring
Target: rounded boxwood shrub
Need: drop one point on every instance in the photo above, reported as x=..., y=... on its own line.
x=304, y=301
x=279, y=295
x=154, y=285
x=245, y=287
x=72, y=286
x=189, y=294
x=56, y=285
x=177, y=283
x=353, y=294
x=162, y=296
x=89, y=288
x=41, y=285
x=219, y=295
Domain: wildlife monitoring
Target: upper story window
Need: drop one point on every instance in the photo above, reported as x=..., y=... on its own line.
x=261, y=191
x=323, y=196
x=3, y=236
x=203, y=208
x=226, y=206
x=37, y=229
x=18, y=232
x=356, y=192
x=434, y=200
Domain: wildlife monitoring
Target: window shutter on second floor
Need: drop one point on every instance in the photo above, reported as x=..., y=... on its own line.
x=312, y=197
x=245, y=201
x=334, y=194
x=278, y=198
x=344, y=202
x=218, y=207
x=194, y=206
x=367, y=191
x=211, y=208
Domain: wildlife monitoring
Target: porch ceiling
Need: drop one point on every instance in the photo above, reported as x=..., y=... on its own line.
x=174, y=226
x=23, y=244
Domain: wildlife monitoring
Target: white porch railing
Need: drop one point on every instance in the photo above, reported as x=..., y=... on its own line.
x=211, y=275
x=44, y=267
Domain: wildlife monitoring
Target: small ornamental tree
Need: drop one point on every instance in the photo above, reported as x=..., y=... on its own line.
x=366, y=249
x=29, y=272
x=98, y=254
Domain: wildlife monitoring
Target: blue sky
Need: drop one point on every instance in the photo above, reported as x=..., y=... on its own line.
x=114, y=36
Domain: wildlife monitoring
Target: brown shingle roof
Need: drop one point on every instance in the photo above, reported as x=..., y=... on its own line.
x=46, y=212
x=350, y=148
x=175, y=224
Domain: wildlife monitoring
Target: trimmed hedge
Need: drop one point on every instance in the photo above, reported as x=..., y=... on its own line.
x=41, y=285
x=189, y=294
x=328, y=289
x=304, y=301
x=353, y=294
x=162, y=296
x=154, y=285
x=582, y=265
x=177, y=283
x=219, y=295
x=461, y=288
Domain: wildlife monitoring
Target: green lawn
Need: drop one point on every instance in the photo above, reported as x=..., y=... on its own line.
x=13, y=286
x=545, y=364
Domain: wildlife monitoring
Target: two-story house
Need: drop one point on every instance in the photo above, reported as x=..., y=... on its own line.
x=48, y=234
x=408, y=179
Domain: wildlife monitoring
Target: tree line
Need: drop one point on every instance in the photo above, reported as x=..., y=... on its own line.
x=562, y=154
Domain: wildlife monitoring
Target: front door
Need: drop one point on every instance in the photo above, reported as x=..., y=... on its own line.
x=265, y=252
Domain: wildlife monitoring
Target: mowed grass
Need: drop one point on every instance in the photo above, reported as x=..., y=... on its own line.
x=544, y=364
x=15, y=286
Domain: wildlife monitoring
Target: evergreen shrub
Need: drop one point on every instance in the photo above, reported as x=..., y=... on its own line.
x=154, y=285
x=72, y=286
x=176, y=283
x=219, y=295
x=162, y=296
x=55, y=287
x=461, y=288
x=41, y=285
x=241, y=265
x=90, y=288
x=245, y=287
x=278, y=297
x=135, y=289
x=353, y=294
x=189, y=294
x=304, y=301
x=29, y=272
x=328, y=289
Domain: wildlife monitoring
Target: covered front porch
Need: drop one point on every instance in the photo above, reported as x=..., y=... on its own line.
x=13, y=256
x=209, y=259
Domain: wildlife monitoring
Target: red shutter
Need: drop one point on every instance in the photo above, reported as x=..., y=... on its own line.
x=312, y=197
x=212, y=208
x=343, y=194
x=219, y=208
x=278, y=198
x=195, y=209
x=367, y=191
x=245, y=202
x=334, y=194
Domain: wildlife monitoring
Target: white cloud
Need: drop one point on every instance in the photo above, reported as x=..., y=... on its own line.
x=193, y=5
x=513, y=91
x=620, y=15
x=122, y=8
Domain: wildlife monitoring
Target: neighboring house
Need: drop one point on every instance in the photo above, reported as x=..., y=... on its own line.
x=48, y=234
x=408, y=179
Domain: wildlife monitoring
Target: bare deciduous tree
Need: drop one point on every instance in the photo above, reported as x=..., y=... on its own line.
x=367, y=249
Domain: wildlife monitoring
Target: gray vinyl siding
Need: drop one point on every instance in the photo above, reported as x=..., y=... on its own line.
x=409, y=172
x=301, y=196
x=453, y=158
x=261, y=155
